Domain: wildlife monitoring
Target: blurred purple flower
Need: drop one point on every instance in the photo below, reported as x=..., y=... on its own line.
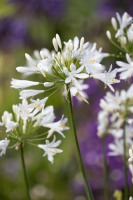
x=13, y=33
x=53, y=8
x=107, y=9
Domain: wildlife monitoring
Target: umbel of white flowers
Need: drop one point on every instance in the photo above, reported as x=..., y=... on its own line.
x=67, y=66
x=112, y=116
x=21, y=126
x=124, y=35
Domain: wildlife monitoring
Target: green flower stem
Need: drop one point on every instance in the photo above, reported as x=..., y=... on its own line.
x=125, y=162
x=117, y=45
x=73, y=129
x=105, y=169
x=24, y=171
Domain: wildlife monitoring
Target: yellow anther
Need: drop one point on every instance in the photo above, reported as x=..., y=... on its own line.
x=116, y=100
x=62, y=125
x=36, y=105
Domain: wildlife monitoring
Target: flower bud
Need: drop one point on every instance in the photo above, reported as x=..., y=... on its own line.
x=71, y=46
x=55, y=44
x=58, y=40
x=36, y=54
x=50, y=132
x=81, y=43
x=48, y=84
x=53, y=56
x=59, y=55
x=123, y=40
x=24, y=129
x=11, y=116
x=28, y=57
x=42, y=54
x=108, y=35
x=67, y=46
x=114, y=23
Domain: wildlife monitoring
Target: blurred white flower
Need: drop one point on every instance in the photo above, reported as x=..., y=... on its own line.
x=3, y=145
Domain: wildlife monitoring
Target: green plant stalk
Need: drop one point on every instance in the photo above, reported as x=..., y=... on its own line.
x=106, y=191
x=77, y=150
x=124, y=162
x=24, y=171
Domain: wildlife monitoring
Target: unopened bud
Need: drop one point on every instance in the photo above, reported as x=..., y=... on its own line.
x=71, y=46
x=48, y=84
x=36, y=54
x=108, y=35
x=24, y=129
x=81, y=43
x=114, y=23
x=55, y=44
x=67, y=46
x=123, y=40
x=28, y=57
x=11, y=116
x=50, y=132
x=53, y=56
x=58, y=40
x=17, y=147
x=59, y=55
x=42, y=54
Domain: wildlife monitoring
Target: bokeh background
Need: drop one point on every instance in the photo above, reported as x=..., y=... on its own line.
x=26, y=25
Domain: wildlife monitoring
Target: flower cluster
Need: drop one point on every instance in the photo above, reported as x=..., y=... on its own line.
x=22, y=126
x=124, y=35
x=67, y=67
x=116, y=111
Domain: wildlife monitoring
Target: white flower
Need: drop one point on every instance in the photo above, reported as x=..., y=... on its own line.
x=130, y=33
x=24, y=94
x=25, y=110
x=108, y=77
x=3, y=146
x=74, y=73
x=116, y=147
x=103, y=123
x=11, y=125
x=45, y=65
x=38, y=104
x=126, y=67
x=17, y=84
x=50, y=149
x=57, y=126
x=124, y=22
x=45, y=112
x=91, y=60
x=74, y=91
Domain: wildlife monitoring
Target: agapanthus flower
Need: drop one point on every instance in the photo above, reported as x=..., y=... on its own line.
x=108, y=77
x=3, y=145
x=123, y=22
x=50, y=149
x=126, y=68
x=27, y=118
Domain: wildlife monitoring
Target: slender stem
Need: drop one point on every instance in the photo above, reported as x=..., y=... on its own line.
x=24, y=171
x=105, y=170
x=124, y=162
x=87, y=187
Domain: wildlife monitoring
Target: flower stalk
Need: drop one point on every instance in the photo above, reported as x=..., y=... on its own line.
x=24, y=171
x=77, y=150
x=124, y=162
x=105, y=169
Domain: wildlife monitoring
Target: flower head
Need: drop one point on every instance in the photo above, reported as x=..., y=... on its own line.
x=3, y=145
x=50, y=149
